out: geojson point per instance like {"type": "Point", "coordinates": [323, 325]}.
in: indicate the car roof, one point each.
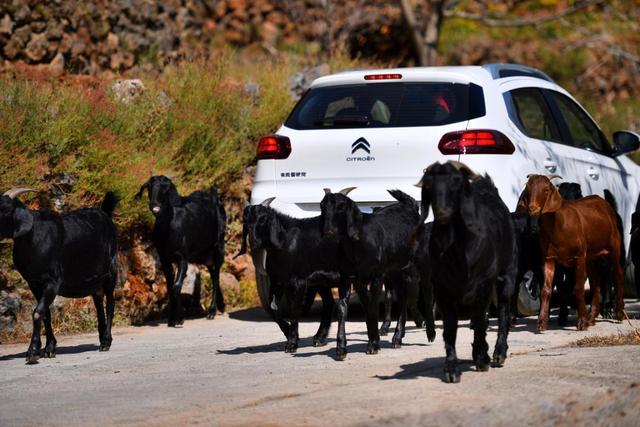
{"type": "Point", "coordinates": [480, 74]}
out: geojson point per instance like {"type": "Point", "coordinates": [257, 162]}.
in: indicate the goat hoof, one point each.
{"type": "Point", "coordinates": [431, 335]}
{"type": "Point", "coordinates": [620, 315]}
{"type": "Point", "coordinates": [341, 354]}
{"type": "Point", "coordinates": [396, 344]}
{"type": "Point", "coordinates": [542, 325]}
{"type": "Point", "coordinates": [373, 348]}
{"type": "Point", "coordinates": [290, 348]}
{"type": "Point", "coordinates": [32, 359]}
{"type": "Point", "coordinates": [384, 332]}
{"type": "Point", "coordinates": [498, 360]}
{"type": "Point", "coordinates": [211, 315]}
{"type": "Point", "coordinates": [49, 354]}
{"type": "Point", "coordinates": [451, 377]}
{"type": "Point", "coordinates": [319, 341]}
{"type": "Point", "coordinates": [583, 324]}
{"type": "Point", "coordinates": [104, 347]}
{"type": "Point", "coordinates": [419, 323]}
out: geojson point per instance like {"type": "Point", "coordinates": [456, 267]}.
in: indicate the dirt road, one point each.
{"type": "Point", "coordinates": [233, 371]}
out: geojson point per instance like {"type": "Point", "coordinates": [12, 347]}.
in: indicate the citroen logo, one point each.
{"type": "Point", "coordinates": [361, 144]}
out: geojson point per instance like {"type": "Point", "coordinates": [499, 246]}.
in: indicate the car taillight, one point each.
{"type": "Point", "coordinates": [475, 142]}
{"type": "Point", "coordinates": [383, 76]}
{"type": "Point", "coordinates": [273, 147]}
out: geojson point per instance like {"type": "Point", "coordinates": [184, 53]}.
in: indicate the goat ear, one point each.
{"type": "Point", "coordinates": [142, 188]}
{"type": "Point", "coordinates": [523, 202]}
{"type": "Point", "coordinates": [277, 234]}
{"type": "Point", "coordinates": [553, 202]}
{"type": "Point", "coordinates": [23, 222]}
{"type": "Point", "coordinates": [354, 222]}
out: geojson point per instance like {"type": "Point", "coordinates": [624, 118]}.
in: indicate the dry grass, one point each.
{"type": "Point", "coordinates": [629, 338]}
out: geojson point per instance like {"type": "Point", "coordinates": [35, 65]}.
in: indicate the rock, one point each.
{"type": "Point", "coordinates": [127, 90]}
{"type": "Point", "coordinates": [54, 30]}
{"type": "Point", "coordinates": [191, 281]}
{"type": "Point", "coordinates": [23, 34]}
{"type": "Point", "coordinates": [56, 66]}
{"type": "Point", "coordinates": [22, 12]}
{"type": "Point", "coordinates": [112, 41]}
{"type": "Point", "coordinates": [60, 184]}
{"type": "Point", "coordinates": [37, 47]}
{"type": "Point", "coordinates": [38, 26]}
{"type": "Point", "coordinates": [229, 284]}
{"type": "Point", "coordinates": [164, 100]}
{"type": "Point", "coordinates": [10, 306]}
{"type": "Point", "coordinates": [6, 24]}
{"type": "Point", "coordinates": [301, 81]}
{"type": "Point", "coordinates": [242, 267]}
{"type": "Point", "coordinates": [13, 47]}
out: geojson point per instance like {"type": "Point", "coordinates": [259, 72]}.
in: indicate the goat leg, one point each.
{"type": "Point", "coordinates": [480, 348]}
{"type": "Point", "coordinates": [105, 344]}
{"type": "Point", "coordinates": [320, 338]}
{"type": "Point", "coordinates": [50, 346]}
{"type": "Point", "coordinates": [428, 307]}
{"type": "Point", "coordinates": [396, 341]}
{"type": "Point", "coordinates": [343, 310]}
{"type": "Point", "coordinates": [217, 299]}
{"type": "Point", "coordinates": [45, 299]}
{"type": "Point", "coordinates": [595, 284]}
{"type": "Point", "coordinates": [581, 276]}
{"type": "Point", "coordinates": [505, 288]}
{"type": "Point", "coordinates": [545, 294]}
{"type": "Point", "coordinates": [388, 302]}
{"type": "Point", "coordinates": [450, 324]}
{"type": "Point", "coordinates": [295, 295]}
{"type": "Point", "coordinates": [98, 299]}
{"type": "Point", "coordinates": [178, 312]}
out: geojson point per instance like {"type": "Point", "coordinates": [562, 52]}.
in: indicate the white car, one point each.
{"type": "Point", "coordinates": [378, 129]}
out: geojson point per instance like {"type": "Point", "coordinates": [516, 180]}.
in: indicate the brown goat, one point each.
{"type": "Point", "coordinates": [574, 234]}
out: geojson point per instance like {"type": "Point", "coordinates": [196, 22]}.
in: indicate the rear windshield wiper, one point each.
{"type": "Point", "coordinates": [343, 121]}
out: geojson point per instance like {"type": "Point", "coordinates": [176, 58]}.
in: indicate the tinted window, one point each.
{"type": "Point", "coordinates": [390, 104]}
{"type": "Point", "coordinates": [584, 132]}
{"type": "Point", "coordinates": [533, 114]}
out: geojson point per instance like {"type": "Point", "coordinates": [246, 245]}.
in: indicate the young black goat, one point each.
{"type": "Point", "coordinates": [188, 229]}
{"type": "Point", "coordinates": [472, 250]}
{"type": "Point", "coordinates": [72, 255]}
{"type": "Point", "coordinates": [371, 246]}
{"type": "Point", "coordinates": [294, 255]}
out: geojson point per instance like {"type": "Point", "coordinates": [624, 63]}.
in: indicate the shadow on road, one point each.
{"type": "Point", "coordinates": [430, 368]}
{"type": "Point", "coordinates": [81, 348]}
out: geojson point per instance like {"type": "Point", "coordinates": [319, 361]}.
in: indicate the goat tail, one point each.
{"type": "Point", "coordinates": [109, 203]}
{"type": "Point", "coordinates": [403, 197]}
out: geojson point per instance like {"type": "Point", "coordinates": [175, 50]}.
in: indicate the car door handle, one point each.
{"type": "Point", "coordinates": [550, 165]}
{"type": "Point", "coordinates": [593, 173]}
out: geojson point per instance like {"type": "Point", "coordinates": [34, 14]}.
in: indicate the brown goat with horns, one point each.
{"type": "Point", "coordinates": [574, 234]}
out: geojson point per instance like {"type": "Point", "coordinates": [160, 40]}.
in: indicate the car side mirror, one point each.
{"type": "Point", "coordinates": [625, 141]}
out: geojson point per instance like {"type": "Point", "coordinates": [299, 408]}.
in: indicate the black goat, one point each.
{"type": "Point", "coordinates": [295, 257]}
{"type": "Point", "coordinates": [187, 229]}
{"type": "Point", "coordinates": [72, 255]}
{"type": "Point", "coordinates": [371, 246]}
{"type": "Point", "coordinates": [473, 251]}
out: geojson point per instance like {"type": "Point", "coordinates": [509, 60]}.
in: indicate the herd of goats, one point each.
{"type": "Point", "coordinates": [474, 252]}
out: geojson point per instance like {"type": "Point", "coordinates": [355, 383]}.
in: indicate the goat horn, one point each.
{"type": "Point", "coordinates": [554, 176]}
{"type": "Point", "coordinates": [171, 175]}
{"type": "Point", "coordinates": [16, 191]}
{"type": "Point", "coordinates": [327, 190]}
{"type": "Point", "coordinates": [464, 168]}
{"type": "Point", "coordinates": [267, 202]}
{"type": "Point", "coordinates": [346, 191]}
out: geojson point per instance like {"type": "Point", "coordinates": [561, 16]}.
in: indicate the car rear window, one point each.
{"type": "Point", "coordinates": [380, 105]}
